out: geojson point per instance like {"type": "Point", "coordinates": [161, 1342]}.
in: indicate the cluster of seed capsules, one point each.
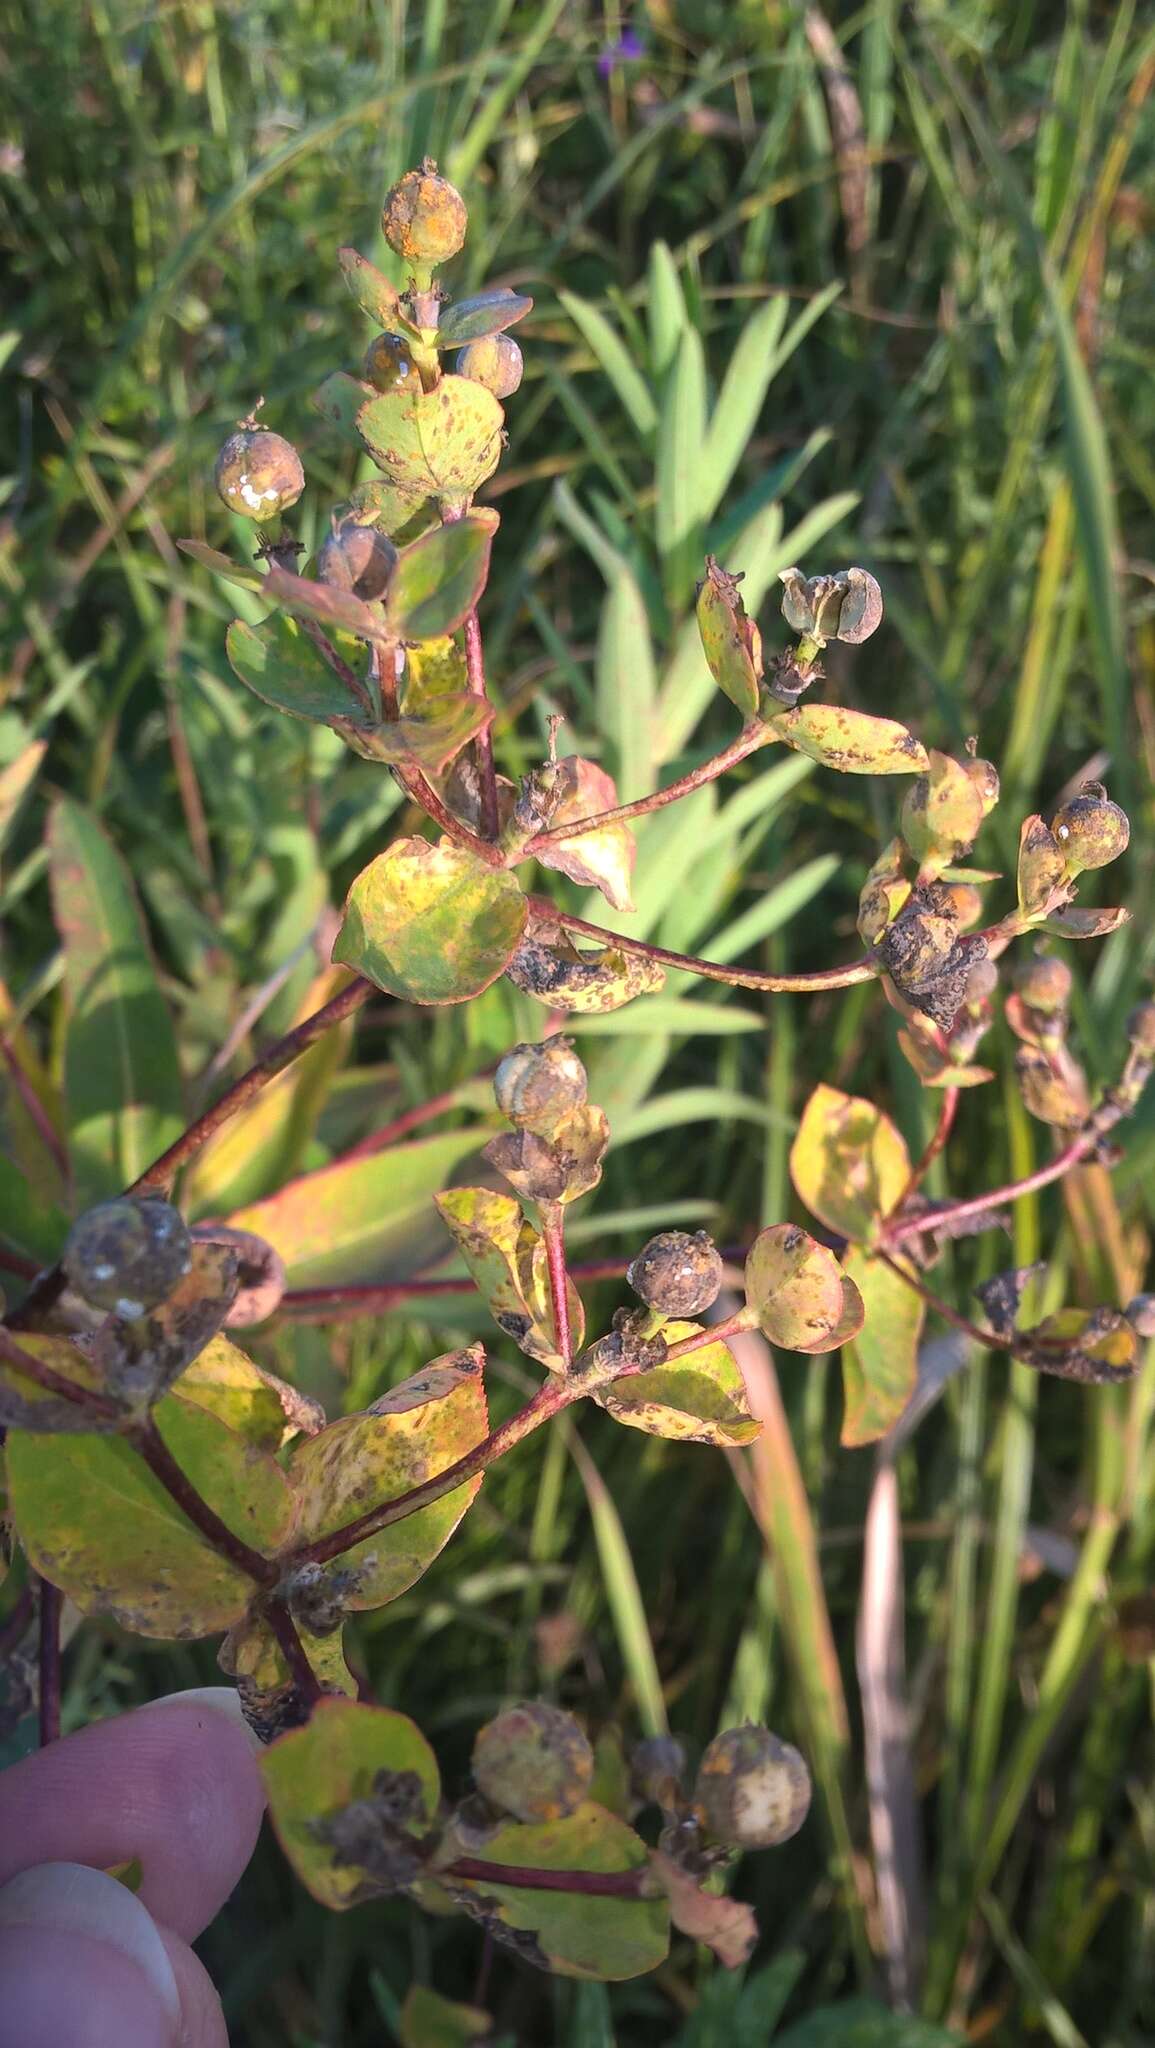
{"type": "Point", "coordinates": [259, 474]}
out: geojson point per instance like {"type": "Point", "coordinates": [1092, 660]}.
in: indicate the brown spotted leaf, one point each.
{"type": "Point", "coordinates": [1042, 876]}
{"type": "Point", "coordinates": [431, 924]}
{"type": "Point", "coordinates": [506, 1258]}
{"type": "Point", "coordinates": [314, 1775]}
{"type": "Point", "coordinates": [942, 813]}
{"type": "Point", "coordinates": [731, 641]}
{"type": "Point", "coordinates": [1070, 923]}
{"type": "Point", "coordinates": [443, 443]}
{"type": "Point", "coordinates": [851, 741]}
{"type": "Point", "coordinates": [411, 1434]}
{"type": "Point", "coordinates": [559, 1168]}
{"type": "Point", "coordinates": [583, 983]}
{"type": "Point", "coordinates": [699, 1399]}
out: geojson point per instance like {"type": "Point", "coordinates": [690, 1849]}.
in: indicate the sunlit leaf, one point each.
{"type": "Point", "coordinates": [489, 312]}
{"type": "Point", "coordinates": [411, 1434]}
{"type": "Point", "coordinates": [731, 642]}
{"type": "Point", "coordinates": [590, 982]}
{"type": "Point", "coordinates": [1042, 875]}
{"type": "Point", "coordinates": [1071, 923]}
{"type": "Point", "coordinates": [942, 813]}
{"type": "Point", "coordinates": [315, 1773]}
{"type": "Point", "coordinates": [603, 859]}
{"type": "Point", "coordinates": [506, 1258]}
{"type": "Point", "coordinates": [700, 1399]}
{"type": "Point", "coordinates": [848, 1162]}
{"type": "Point", "coordinates": [94, 1520]}
{"type": "Point", "coordinates": [442, 443]}
{"type": "Point", "coordinates": [431, 924]}
{"type": "Point", "coordinates": [802, 1298]}
{"type": "Point", "coordinates": [851, 741]}
{"type": "Point", "coordinates": [439, 578]}
{"type": "Point", "coordinates": [375, 295]}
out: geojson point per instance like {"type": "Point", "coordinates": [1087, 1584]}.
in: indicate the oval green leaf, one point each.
{"type": "Point", "coordinates": [375, 295]}
{"type": "Point", "coordinates": [280, 665]}
{"type": "Point", "coordinates": [848, 1162]}
{"type": "Point", "coordinates": [439, 578]}
{"type": "Point", "coordinates": [700, 1399]}
{"type": "Point", "coordinates": [850, 741]}
{"type": "Point", "coordinates": [431, 924]}
{"type": "Point", "coordinates": [313, 1773]}
{"type": "Point", "coordinates": [441, 443]}
{"type": "Point", "coordinates": [488, 312]}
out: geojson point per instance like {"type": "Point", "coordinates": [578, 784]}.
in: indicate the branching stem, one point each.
{"type": "Point", "coordinates": [53, 1382]}
{"type": "Point", "coordinates": [734, 977]}
{"type": "Point", "coordinates": [594, 1884]}
{"type": "Point", "coordinates": [749, 740]}
{"type": "Point", "coordinates": [149, 1444]}
{"type": "Point", "coordinates": [553, 1237]}
{"type": "Point", "coordinates": [292, 1650]}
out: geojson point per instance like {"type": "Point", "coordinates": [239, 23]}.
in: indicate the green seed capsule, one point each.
{"type": "Point", "coordinates": [495, 361]}
{"type": "Point", "coordinates": [425, 218]}
{"type": "Point", "coordinates": [358, 559]}
{"type": "Point", "coordinates": [534, 1762]}
{"type": "Point", "coordinates": [258, 474]}
{"type": "Point", "coordinates": [389, 363]}
{"type": "Point", "coordinates": [128, 1255]}
{"type": "Point", "coordinates": [753, 1790]}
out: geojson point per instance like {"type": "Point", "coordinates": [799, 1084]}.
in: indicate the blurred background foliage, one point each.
{"type": "Point", "coordinates": [903, 257]}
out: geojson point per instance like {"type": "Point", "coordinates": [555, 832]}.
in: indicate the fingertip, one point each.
{"type": "Point", "coordinates": [82, 1962]}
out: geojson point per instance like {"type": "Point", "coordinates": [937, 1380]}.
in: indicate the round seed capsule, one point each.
{"type": "Point", "coordinates": [358, 559]}
{"type": "Point", "coordinates": [753, 1790]}
{"type": "Point", "coordinates": [1091, 830]}
{"type": "Point", "coordinates": [258, 474]}
{"type": "Point", "coordinates": [128, 1255]}
{"type": "Point", "coordinates": [534, 1762]}
{"type": "Point", "coordinates": [389, 364]}
{"type": "Point", "coordinates": [425, 218]}
{"type": "Point", "coordinates": [1045, 984]}
{"type": "Point", "coordinates": [537, 1085]}
{"type": "Point", "coordinates": [495, 361]}
{"type": "Point", "coordinates": [679, 1272]}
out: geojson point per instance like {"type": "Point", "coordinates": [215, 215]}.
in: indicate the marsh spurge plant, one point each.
{"type": "Point", "coordinates": [155, 1473]}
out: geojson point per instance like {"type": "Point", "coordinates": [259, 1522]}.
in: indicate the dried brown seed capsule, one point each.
{"type": "Point", "coordinates": [128, 1255]}
{"type": "Point", "coordinates": [1045, 984]}
{"type": "Point", "coordinates": [679, 1272]}
{"type": "Point", "coordinates": [534, 1762]}
{"type": "Point", "coordinates": [425, 218]}
{"type": "Point", "coordinates": [495, 361]}
{"type": "Point", "coordinates": [1140, 1313]}
{"type": "Point", "coordinates": [389, 363]}
{"type": "Point", "coordinates": [258, 474]}
{"type": "Point", "coordinates": [753, 1789]}
{"type": "Point", "coordinates": [358, 559]}
{"type": "Point", "coordinates": [537, 1085]}
{"type": "Point", "coordinates": [1141, 1029]}
{"type": "Point", "coordinates": [845, 606]}
{"type": "Point", "coordinates": [1090, 830]}
{"type": "Point", "coordinates": [985, 777]}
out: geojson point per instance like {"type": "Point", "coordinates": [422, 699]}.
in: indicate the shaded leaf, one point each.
{"type": "Point", "coordinates": [1070, 923]}
{"type": "Point", "coordinates": [883, 893]}
{"type": "Point", "coordinates": [859, 2023]}
{"type": "Point", "coordinates": [1042, 871]}
{"type": "Point", "coordinates": [848, 1162]}
{"type": "Point", "coordinates": [443, 443]}
{"type": "Point", "coordinates": [340, 399]}
{"type": "Point", "coordinates": [439, 578]}
{"type": "Point", "coordinates": [251, 1651]}
{"type": "Point", "coordinates": [281, 666]}
{"type": "Point", "coordinates": [313, 1773]}
{"type": "Point", "coordinates": [399, 509]}
{"type": "Point", "coordinates": [880, 1368]}
{"type": "Point", "coordinates": [568, 1932]}
{"type": "Point", "coordinates": [505, 1256]}
{"type": "Point", "coordinates": [431, 924]}
{"type": "Point", "coordinates": [142, 1359]}
{"type": "Point", "coordinates": [801, 1296]}
{"type": "Point", "coordinates": [731, 642]}
{"type": "Point", "coordinates": [97, 1524]}
{"type": "Point", "coordinates": [24, 1404]}
{"type": "Point", "coordinates": [336, 610]}
{"type": "Point", "coordinates": [411, 1434]}
{"type": "Point", "coordinates": [489, 312]}
{"type": "Point", "coordinates": [429, 742]}
{"type": "Point", "coordinates": [600, 860]}
{"type": "Point", "coordinates": [700, 1399]}
{"type": "Point", "coordinates": [121, 1073]}
{"type": "Point", "coordinates": [16, 779]}
{"type": "Point", "coordinates": [367, 1219]}
{"type": "Point", "coordinates": [850, 741]}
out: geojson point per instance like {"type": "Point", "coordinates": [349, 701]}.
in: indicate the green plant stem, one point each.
{"type": "Point", "coordinates": [292, 1650]}
{"type": "Point", "coordinates": [749, 740]}
{"type": "Point", "coordinates": [557, 1394]}
{"type": "Point", "coordinates": [593, 1884]}
{"type": "Point", "coordinates": [734, 977]}
{"type": "Point", "coordinates": [48, 1662]}
{"type": "Point", "coordinates": [553, 1237]}
{"type": "Point", "coordinates": [148, 1443]}
{"type": "Point", "coordinates": [53, 1382]}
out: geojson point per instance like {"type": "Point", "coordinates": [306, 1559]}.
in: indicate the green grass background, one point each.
{"type": "Point", "coordinates": [971, 415]}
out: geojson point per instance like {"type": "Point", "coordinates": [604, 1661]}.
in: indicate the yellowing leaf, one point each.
{"type": "Point", "coordinates": [731, 642]}
{"type": "Point", "coordinates": [430, 2021]}
{"type": "Point", "coordinates": [259, 1407]}
{"type": "Point", "coordinates": [725, 1925]}
{"type": "Point", "coordinates": [430, 742]}
{"type": "Point", "coordinates": [443, 442]}
{"type": "Point", "coordinates": [251, 1651]}
{"type": "Point", "coordinates": [94, 1520]}
{"type": "Point", "coordinates": [506, 1258]}
{"type": "Point", "coordinates": [803, 1300]}
{"type": "Point", "coordinates": [586, 983]}
{"type": "Point", "coordinates": [848, 1162]}
{"type": "Point", "coordinates": [942, 813]}
{"type": "Point", "coordinates": [314, 1773]}
{"type": "Point", "coordinates": [880, 1368]}
{"type": "Point", "coordinates": [431, 924]}
{"type": "Point", "coordinates": [411, 1434]}
{"type": "Point", "coordinates": [850, 741]}
{"type": "Point", "coordinates": [571, 1933]}
{"type": "Point", "coordinates": [699, 1399]}
{"type": "Point", "coordinates": [603, 859]}
{"type": "Point", "coordinates": [1042, 875]}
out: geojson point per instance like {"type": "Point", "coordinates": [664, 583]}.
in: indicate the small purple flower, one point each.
{"type": "Point", "coordinates": [627, 50]}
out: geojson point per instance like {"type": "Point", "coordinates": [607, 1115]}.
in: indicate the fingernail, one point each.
{"type": "Point", "coordinates": [219, 1699]}
{"type": "Point", "coordinates": [81, 1951]}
